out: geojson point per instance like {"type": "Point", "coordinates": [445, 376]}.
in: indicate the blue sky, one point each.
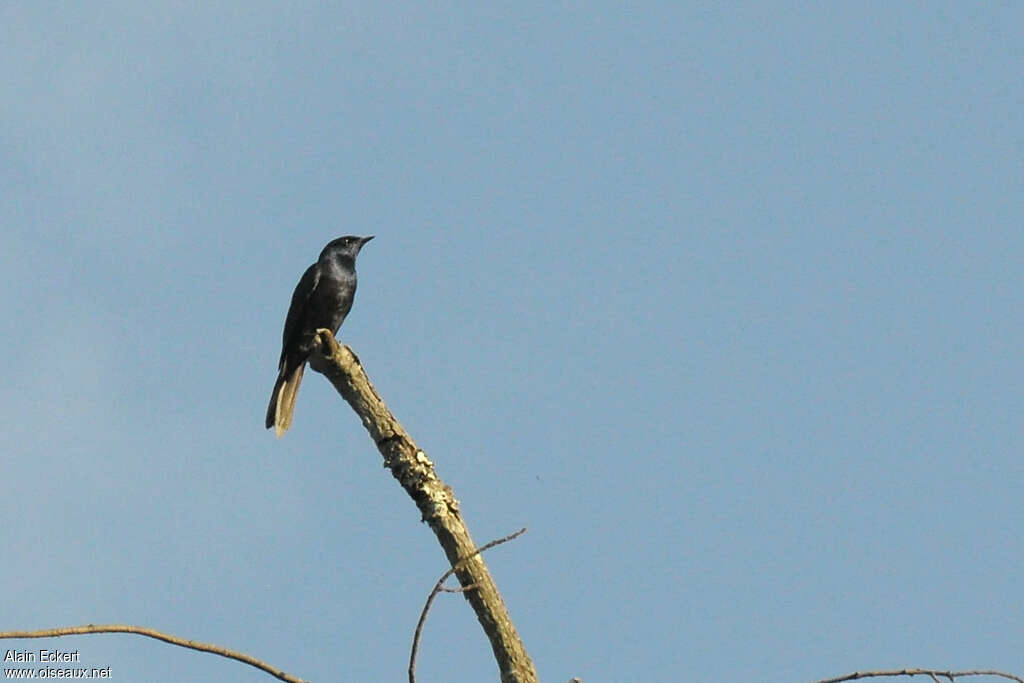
{"type": "Point", "coordinates": [722, 303]}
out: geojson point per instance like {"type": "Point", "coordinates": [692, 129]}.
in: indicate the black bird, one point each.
{"type": "Point", "coordinates": [322, 298]}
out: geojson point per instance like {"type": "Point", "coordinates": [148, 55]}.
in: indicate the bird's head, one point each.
{"type": "Point", "coordinates": [347, 246]}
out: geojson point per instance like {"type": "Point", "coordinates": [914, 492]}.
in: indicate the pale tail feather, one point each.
{"type": "Point", "coordinates": [282, 401]}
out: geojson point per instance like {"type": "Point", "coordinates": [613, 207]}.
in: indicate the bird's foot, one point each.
{"type": "Point", "coordinates": [326, 342]}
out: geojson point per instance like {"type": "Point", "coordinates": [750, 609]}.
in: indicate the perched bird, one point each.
{"type": "Point", "coordinates": [322, 298]}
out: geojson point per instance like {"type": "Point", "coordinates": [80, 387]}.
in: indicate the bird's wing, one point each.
{"type": "Point", "coordinates": [303, 290]}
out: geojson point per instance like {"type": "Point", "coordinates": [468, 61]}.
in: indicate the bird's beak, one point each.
{"type": "Point", "coordinates": [365, 240]}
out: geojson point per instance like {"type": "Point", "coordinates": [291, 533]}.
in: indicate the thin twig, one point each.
{"type": "Point", "coordinates": [458, 589]}
{"type": "Point", "coordinates": [158, 635]}
{"type": "Point", "coordinates": [934, 673]}
{"type": "Point", "coordinates": [439, 587]}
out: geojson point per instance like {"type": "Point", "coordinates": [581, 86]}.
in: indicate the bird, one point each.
{"type": "Point", "coordinates": [322, 299]}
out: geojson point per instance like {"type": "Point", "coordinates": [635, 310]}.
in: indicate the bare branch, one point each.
{"type": "Point", "coordinates": [436, 501]}
{"type": "Point", "coordinates": [933, 673]}
{"type": "Point", "coordinates": [439, 588]}
{"type": "Point", "coordinates": [158, 635]}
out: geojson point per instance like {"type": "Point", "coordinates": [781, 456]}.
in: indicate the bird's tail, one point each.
{"type": "Point", "coordinates": [282, 401]}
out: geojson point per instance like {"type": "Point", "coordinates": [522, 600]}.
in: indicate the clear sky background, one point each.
{"type": "Point", "coordinates": [723, 304]}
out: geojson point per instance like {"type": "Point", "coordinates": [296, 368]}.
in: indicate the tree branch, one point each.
{"type": "Point", "coordinates": [935, 674]}
{"type": "Point", "coordinates": [435, 500]}
{"type": "Point", "coordinates": [158, 635]}
{"type": "Point", "coordinates": [439, 587]}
